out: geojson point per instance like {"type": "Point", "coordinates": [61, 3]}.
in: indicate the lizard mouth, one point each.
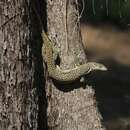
{"type": "Point", "coordinates": [98, 66]}
{"type": "Point", "coordinates": [104, 68]}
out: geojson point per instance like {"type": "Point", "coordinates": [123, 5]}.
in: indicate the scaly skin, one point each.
{"type": "Point", "coordinates": [65, 75]}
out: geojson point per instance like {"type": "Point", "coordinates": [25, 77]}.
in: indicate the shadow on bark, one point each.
{"type": "Point", "coordinates": [39, 79]}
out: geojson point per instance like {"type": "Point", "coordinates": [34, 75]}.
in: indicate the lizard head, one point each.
{"type": "Point", "coordinates": [97, 66]}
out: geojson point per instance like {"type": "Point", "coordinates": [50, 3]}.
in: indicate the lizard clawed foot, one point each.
{"type": "Point", "coordinates": [82, 80]}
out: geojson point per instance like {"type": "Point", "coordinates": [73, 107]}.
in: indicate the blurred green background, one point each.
{"type": "Point", "coordinates": [98, 11]}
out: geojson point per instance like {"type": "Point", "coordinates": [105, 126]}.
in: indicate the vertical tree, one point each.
{"type": "Point", "coordinates": [70, 107]}
{"type": "Point", "coordinates": [18, 72]}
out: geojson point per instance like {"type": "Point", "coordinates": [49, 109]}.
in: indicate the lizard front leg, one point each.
{"type": "Point", "coordinates": [55, 53]}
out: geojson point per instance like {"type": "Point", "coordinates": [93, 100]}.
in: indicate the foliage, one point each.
{"type": "Point", "coordinates": [116, 11]}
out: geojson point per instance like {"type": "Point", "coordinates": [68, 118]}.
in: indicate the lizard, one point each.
{"type": "Point", "coordinates": [55, 72]}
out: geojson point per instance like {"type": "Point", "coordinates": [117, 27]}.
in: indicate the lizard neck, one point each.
{"type": "Point", "coordinates": [49, 53]}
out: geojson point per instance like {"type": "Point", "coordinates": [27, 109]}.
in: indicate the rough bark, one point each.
{"type": "Point", "coordinates": [70, 107]}
{"type": "Point", "coordinates": [18, 72]}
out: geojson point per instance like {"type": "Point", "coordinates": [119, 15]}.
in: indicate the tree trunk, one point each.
{"type": "Point", "coordinates": [18, 62]}
{"type": "Point", "coordinates": [70, 107]}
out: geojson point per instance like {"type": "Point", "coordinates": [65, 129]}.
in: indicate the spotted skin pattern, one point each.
{"type": "Point", "coordinates": [57, 73]}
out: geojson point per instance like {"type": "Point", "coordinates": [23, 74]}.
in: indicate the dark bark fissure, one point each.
{"type": "Point", "coordinates": [39, 8]}
{"type": "Point", "coordinates": [40, 12]}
